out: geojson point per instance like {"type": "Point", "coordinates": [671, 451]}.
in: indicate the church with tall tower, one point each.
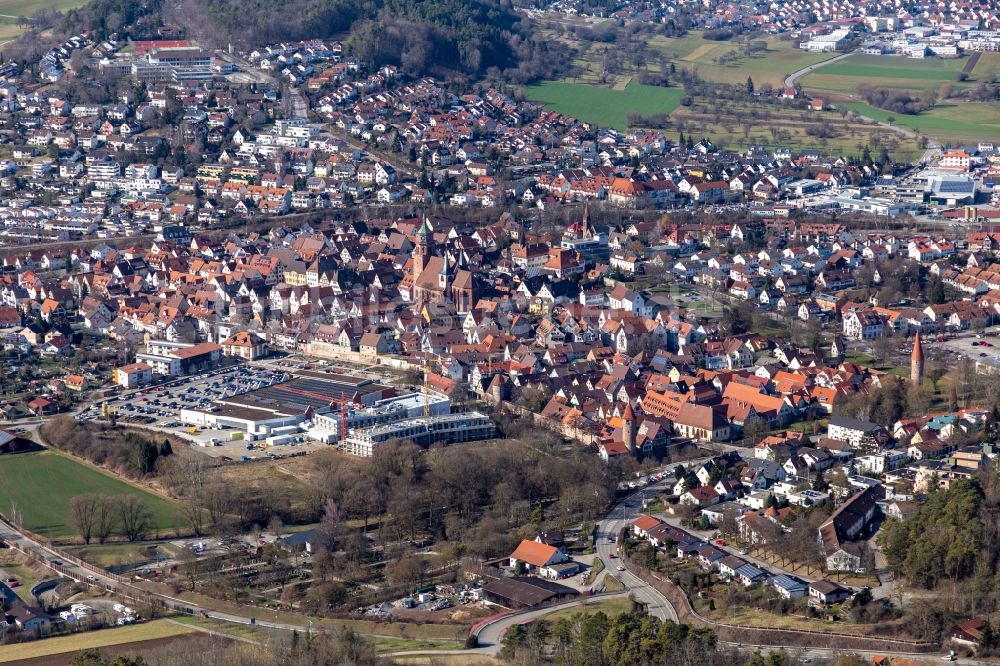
{"type": "Point", "coordinates": [436, 279]}
{"type": "Point", "coordinates": [422, 249]}
{"type": "Point", "coordinates": [917, 362]}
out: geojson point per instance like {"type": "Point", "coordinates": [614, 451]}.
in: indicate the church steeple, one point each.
{"type": "Point", "coordinates": [422, 250]}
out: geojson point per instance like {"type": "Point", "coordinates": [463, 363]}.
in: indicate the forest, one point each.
{"type": "Point", "coordinates": [952, 537]}
{"type": "Point", "coordinates": [448, 38]}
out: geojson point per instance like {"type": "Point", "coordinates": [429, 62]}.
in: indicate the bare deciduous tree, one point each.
{"type": "Point", "coordinates": [134, 517]}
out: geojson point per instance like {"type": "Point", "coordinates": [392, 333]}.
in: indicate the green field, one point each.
{"type": "Point", "coordinates": [692, 52]}
{"type": "Point", "coordinates": [769, 67]}
{"type": "Point", "coordinates": [961, 122]}
{"type": "Point", "coordinates": [41, 485]}
{"type": "Point", "coordinates": [93, 639]}
{"type": "Point", "coordinates": [610, 607]}
{"type": "Point", "coordinates": [10, 10]}
{"type": "Point", "coordinates": [603, 106]}
{"type": "Point", "coordinates": [26, 8]}
{"type": "Point", "coordinates": [846, 75]}
{"type": "Point", "coordinates": [861, 65]}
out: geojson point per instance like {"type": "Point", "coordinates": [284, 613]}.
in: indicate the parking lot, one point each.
{"type": "Point", "coordinates": [982, 348]}
{"type": "Point", "coordinates": [161, 405]}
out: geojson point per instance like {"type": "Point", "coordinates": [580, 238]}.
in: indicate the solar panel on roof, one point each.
{"type": "Point", "coordinates": [955, 186]}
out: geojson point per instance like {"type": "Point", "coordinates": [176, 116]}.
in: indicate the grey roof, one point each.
{"type": "Point", "coordinates": [786, 582]}
{"type": "Point", "coordinates": [750, 571]}
{"type": "Point", "coordinates": [854, 424]}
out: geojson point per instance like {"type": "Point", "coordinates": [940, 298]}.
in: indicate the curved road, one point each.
{"type": "Point", "coordinates": [795, 76]}
{"type": "Point", "coordinates": [933, 148]}
{"type": "Point", "coordinates": [621, 517]}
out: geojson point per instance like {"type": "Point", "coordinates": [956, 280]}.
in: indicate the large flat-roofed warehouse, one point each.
{"type": "Point", "coordinates": [288, 403]}
{"type": "Point", "coordinates": [525, 592]}
{"type": "Point", "coordinates": [319, 391]}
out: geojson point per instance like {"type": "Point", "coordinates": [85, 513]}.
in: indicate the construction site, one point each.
{"type": "Point", "coordinates": [352, 413]}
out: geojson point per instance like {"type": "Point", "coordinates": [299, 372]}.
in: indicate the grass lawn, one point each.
{"type": "Point", "coordinates": [595, 569]}
{"type": "Point", "coordinates": [603, 106]}
{"type": "Point", "coordinates": [42, 484]}
{"type": "Point", "coordinates": [967, 121]}
{"type": "Point", "coordinates": [385, 644]}
{"type": "Point", "coordinates": [736, 125]}
{"type": "Point", "coordinates": [457, 659]}
{"type": "Point", "coordinates": [862, 66]}
{"type": "Point", "coordinates": [781, 58]}
{"type": "Point", "coordinates": [768, 67]}
{"type": "Point", "coordinates": [610, 607]}
{"type": "Point", "coordinates": [260, 634]}
{"type": "Point", "coordinates": [92, 639]}
{"type": "Point", "coordinates": [245, 631]}
{"type": "Point", "coordinates": [26, 8]}
{"type": "Point", "coordinates": [28, 579]}
{"type": "Point", "coordinates": [10, 10]}
{"type": "Point", "coordinates": [755, 617]}
{"type": "Point", "coordinates": [114, 554]}
{"type": "Point", "coordinates": [988, 65]}
{"type": "Point", "coordinates": [612, 584]}
{"type": "Point", "coordinates": [846, 75]}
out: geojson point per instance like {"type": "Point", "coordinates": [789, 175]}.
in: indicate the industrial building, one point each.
{"type": "Point", "coordinates": [295, 402]}
{"type": "Point", "coordinates": [358, 414]}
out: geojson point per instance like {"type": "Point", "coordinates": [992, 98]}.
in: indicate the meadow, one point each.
{"type": "Point", "coordinates": [604, 107]}
{"type": "Point", "coordinates": [845, 76]}
{"type": "Point", "coordinates": [770, 67]}
{"type": "Point", "coordinates": [136, 633]}
{"type": "Point", "coordinates": [40, 485]}
{"type": "Point", "coordinates": [966, 122]}
{"type": "Point", "coordinates": [11, 10]}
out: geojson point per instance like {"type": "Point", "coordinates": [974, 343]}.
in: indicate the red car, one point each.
{"type": "Point", "coordinates": [612, 555]}
{"type": "Point", "coordinates": [720, 542]}
{"type": "Point", "coordinates": [13, 582]}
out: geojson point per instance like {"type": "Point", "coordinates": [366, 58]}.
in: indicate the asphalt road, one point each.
{"type": "Point", "coordinates": [795, 76]}
{"type": "Point", "coordinates": [619, 517]}
{"type": "Point", "coordinates": [933, 148]}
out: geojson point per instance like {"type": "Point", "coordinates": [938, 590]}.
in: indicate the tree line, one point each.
{"type": "Point", "coordinates": [96, 516]}
{"type": "Point", "coordinates": [136, 457]}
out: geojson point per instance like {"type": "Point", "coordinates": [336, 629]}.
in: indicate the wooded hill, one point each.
{"type": "Point", "coordinates": [442, 37]}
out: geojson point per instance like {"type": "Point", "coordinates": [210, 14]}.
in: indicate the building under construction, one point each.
{"type": "Point", "coordinates": [424, 431]}
{"type": "Point", "coordinates": [296, 402]}
{"type": "Point", "coordinates": [356, 414]}
{"type": "Point", "coordinates": [334, 426]}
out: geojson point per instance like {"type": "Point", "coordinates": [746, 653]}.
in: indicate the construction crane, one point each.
{"type": "Point", "coordinates": [427, 395]}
